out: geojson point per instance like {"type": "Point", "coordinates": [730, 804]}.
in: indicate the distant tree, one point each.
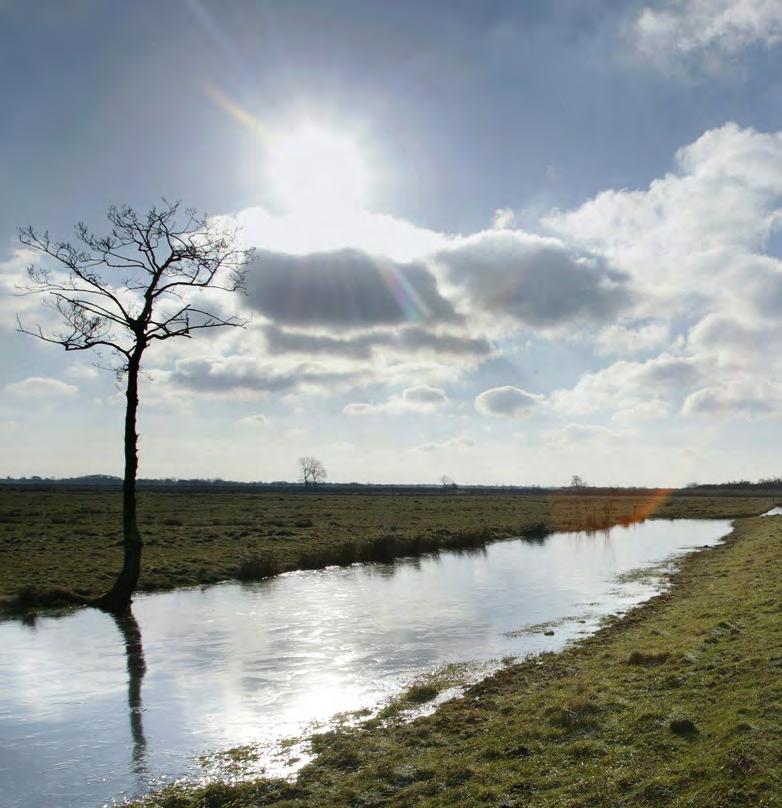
{"type": "Point", "coordinates": [312, 470]}
{"type": "Point", "coordinates": [121, 292]}
{"type": "Point", "coordinates": [577, 482]}
{"type": "Point", "coordinates": [447, 482]}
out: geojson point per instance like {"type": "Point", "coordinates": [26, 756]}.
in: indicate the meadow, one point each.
{"type": "Point", "coordinates": [55, 539]}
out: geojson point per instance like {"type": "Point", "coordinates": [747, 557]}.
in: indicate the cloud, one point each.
{"type": "Point", "coordinates": [460, 443]}
{"type": "Point", "coordinates": [508, 401]}
{"type": "Point", "coordinates": [673, 29]}
{"type": "Point", "coordinates": [721, 199]}
{"type": "Point", "coordinates": [532, 281]}
{"type": "Point", "coordinates": [632, 412]}
{"type": "Point", "coordinates": [626, 384]}
{"type": "Point", "coordinates": [747, 400]}
{"type": "Point", "coordinates": [344, 289]}
{"type": "Point", "coordinates": [419, 399]}
{"type": "Point", "coordinates": [83, 372]}
{"type": "Point", "coordinates": [574, 434]}
{"type": "Point", "coordinates": [735, 345]}
{"type": "Point", "coordinates": [622, 339]}
{"type": "Point", "coordinates": [693, 242]}
{"type": "Point", "coordinates": [13, 278]}
{"type": "Point", "coordinates": [246, 374]}
{"type": "Point", "coordinates": [402, 340]}
{"type": "Point", "coordinates": [372, 233]}
{"type": "Point", "coordinates": [259, 419]}
{"type": "Point", "coordinates": [502, 219]}
{"type": "Point", "coordinates": [41, 387]}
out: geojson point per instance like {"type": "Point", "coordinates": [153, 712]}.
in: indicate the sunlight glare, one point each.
{"type": "Point", "coordinates": [314, 169]}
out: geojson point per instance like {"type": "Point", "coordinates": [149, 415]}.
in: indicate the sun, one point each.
{"type": "Point", "coordinates": [314, 169]}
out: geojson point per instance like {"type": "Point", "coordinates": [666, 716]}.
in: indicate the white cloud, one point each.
{"type": "Point", "coordinates": [574, 434]}
{"type": "Point", "coordinates": [634, 412]}
{"type": "Point", "coordinates": [373, 233]}
{"type": "Point", "coordinates": [625, 385]}
{"type": "Point", "coordinates": [623, 339]}
{"type": "Point", "coordinates": [259, 419]}
{"type": "Point", "coordinates": [83, 372]}
{"type": "Point", "coordinates": [13, 277]}
{"type": "Point", "coordinates": [672, 29]}
{"type": "Point", "coordinates": [507, 401]}
{"type": "Point", "coordinates": [693, 243]}
{"type": "Point", "coordinates": [459, 442]}
{"type": "Point", "coordinates": [502, 219]}
{"type": "Point", "coordinates": [743, 399]}
{"type": "Point", "coordinates": [41, 387]}
{"type": "Point", "coordinates": [419, 399]}
{"type": "Point", "coordinates": [721, 200]}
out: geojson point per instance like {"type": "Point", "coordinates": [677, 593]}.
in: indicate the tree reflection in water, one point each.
{"type": "Point", "coordinates": [134, 653]}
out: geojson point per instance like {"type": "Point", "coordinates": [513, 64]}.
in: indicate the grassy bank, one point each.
{"type": "Point", "coordinates": [53, 540]}
{"type": "Point", "coordinates": [677, 704]}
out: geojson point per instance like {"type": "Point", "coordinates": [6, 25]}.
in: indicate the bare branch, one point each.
{"type": "Point", "coordinates": [152, 256]}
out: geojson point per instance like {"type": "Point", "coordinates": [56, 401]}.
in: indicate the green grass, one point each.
{"type": "Point", "coordinates": [677, 704]}
{"type": "Point", "coordinates": [56, 540]}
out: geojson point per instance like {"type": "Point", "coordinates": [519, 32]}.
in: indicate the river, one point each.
{"type": "Point", "coordinates": [94, 710]}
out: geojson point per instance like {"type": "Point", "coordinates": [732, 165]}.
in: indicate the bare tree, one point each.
{"type": "Point", "coordinates": [447, 482]}
{"type": "Point", "coordinates": [312, 471]}
{"type": "Point", "coordinates": [122, 291]}
{"type": "Point", "coordinates": [577, 482]}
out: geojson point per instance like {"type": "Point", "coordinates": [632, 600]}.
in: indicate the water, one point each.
{"type": "Point", "coordinates": [93, 710]}
{"type": "Point", "coordinates": [776, 511]}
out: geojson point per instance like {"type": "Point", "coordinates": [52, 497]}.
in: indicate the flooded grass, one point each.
{"type": "Point", "coordinates": [56, 544]}
{"type": "Point", "coordinates": [678, 703]}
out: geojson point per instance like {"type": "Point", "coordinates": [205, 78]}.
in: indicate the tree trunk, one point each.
{"type": "Point", "coordinates": [118, 598]}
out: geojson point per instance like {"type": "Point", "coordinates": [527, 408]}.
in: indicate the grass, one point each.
{"type": "Point", "coordinates": [53, 542]}
{"type": "Point", "coordinates": [679, 703]}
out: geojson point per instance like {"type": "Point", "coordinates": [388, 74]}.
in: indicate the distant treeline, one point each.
{"type": "Point", "coordinates": [108, 481]}
{"type": "Point", "coordinates": [742, 485]}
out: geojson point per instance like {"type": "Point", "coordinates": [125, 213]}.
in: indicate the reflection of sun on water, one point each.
{"type": "Point", "coordinates": [318, 170]}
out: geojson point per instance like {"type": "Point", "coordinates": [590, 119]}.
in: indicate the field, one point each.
{"type": "Point", "coordinates": [55, 539]}
{"type": "Point", "coordinates": [677, 704]}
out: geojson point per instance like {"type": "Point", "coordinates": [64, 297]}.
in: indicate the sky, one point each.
{"type": "Point", "coordinates": [507, 242]}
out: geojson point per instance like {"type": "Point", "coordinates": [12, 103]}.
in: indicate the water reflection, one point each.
{"type": "Point", "coordinates": [237, 664]}
{"type": "Point", "coordinates": [134, 653]}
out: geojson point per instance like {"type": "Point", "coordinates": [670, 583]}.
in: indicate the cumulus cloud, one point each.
{"type": "Point", "coordinates": [693, 242]}
{"type": "Point", "coordinates": [722, 196]}
{"type": "Point", "coordinates": [735, 345]}
{"type": "Point", "coordinates": [533, 281]}
{"type": "Point", "coordinates": [625, 384]}
{"type": "Point", "coordinates": [507, 401]}
{"type": "Point", "coordinates": [745, 399]}
{"type": "Point", "coordinates": [41, 387]}
{"type": "Point", "coordinates": [672, 29]}
{"type": "Point", "coordinates": [343, 289]}
{"type": "Point", "coordinates": [418, 399]}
